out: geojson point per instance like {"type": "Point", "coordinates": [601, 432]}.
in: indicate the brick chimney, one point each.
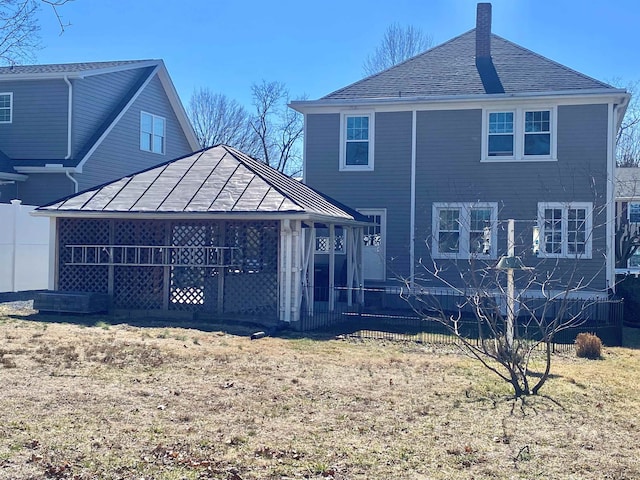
{"type": "Point", "coordinates": [483, 30]}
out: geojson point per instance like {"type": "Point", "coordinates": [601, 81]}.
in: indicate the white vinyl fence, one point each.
{"type": "Point", "coordinates": [24, 249]}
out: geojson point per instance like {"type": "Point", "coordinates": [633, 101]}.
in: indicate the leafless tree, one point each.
{"type": "Point", "coordinates": [398, 44]}
{"type": "Point", "coordinates": [278, 128]}
{"type": "Point", "coordinates": [19, 28]}
{"type": "Point", "coordinates": [218, 119]}
{"type": "Point", "coordinates": [628, 138]}
{"type": "Point", "coordinates": [506, 329]}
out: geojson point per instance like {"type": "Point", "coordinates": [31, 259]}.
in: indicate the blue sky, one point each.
{"type": "Point", "coordinates": [318, 47]}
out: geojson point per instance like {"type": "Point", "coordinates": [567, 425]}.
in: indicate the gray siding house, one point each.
{"type": "Point", "coordinates": [444, 148]}
{"type": "Point", "coordinates": [67, 127]}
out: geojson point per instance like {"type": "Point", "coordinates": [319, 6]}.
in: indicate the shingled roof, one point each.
{"type": "Point", "coordinates": [71, 68]}
{"type": "Point", "coordinates": [217, 181]}
{"type": "Point", "coordinates": [450, 69]}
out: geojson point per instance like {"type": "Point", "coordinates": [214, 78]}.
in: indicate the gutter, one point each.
{"type": "Point", "coordinates": [304, 105]}
{"type": "Point", "coordinates": [75, 182]}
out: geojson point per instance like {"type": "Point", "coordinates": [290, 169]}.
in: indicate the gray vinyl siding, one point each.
{"type": "Point", "coordinates": [42, 188]}
{"type": "Point", "coordinates": [119, 154]}
{"type": "Point", "coordinates": [449, 170]}
{"type": "Point", "coordinates": [39, 124]}
{"type": "Point", "coordinates": [388, 186]}
{"type": "Point", "coordinates": [96, 99]}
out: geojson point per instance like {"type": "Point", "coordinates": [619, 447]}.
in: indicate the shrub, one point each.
{"type": "Point", "coordinates": [588, 345]}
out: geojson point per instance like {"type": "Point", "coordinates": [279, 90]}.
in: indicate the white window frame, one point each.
{"type": "Point", "coordinates": [519, 134]}
{"type": "Point", "coordinates": [153, 133]}
{"type": "Point", "coordinates": [10, 94]}
{"type": "Point", "coordinates": [564, 249]}
{"type": "Point", "coordinates": [343, 142]}
{"type": "Point", "coordinates": [464, 220]}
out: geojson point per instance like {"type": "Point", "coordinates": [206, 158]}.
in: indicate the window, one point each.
{"type": "Point", "coordinates": [464, 230]}
{"type": "Point", "coordinates": [357, 142]}
{"type": "Point", "coordinates": [501, 134]}
{"type": "Point", "coordinates": [152, 133]}
{"type": "Point", "coordinates": [633, 210]}
{"type": "Point", "coordinates": [519, 134]}
{"type": "Point", "coordinates": [6, 107]}
{"type": "Point", "coordinates": [565, 230]}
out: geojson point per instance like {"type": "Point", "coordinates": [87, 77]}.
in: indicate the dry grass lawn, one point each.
{"type": "Point", "coordinates": [122, 402]}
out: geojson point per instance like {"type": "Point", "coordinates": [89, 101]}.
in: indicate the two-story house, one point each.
{"type": "Point", "coordinates": [443, 149]}
{"type": "Point", "coordinates": [68, 127]}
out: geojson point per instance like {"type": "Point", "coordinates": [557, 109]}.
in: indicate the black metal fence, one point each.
{"type": "Point", "coordinates": [385, 315]}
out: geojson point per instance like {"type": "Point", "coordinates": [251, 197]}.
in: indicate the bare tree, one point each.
{"type": "Point", "coordinates": [502, 327]}
{"type": "Point", "coordinates": [278, 128]}
{"type": "Point", "coordinates": [19, 28]}
{"type": "Point", "coordinates": [398, 44]}
{"type": "Point", "coordinates": [218, 119]}
{"type": "Point", "coordinates": [628, 138]}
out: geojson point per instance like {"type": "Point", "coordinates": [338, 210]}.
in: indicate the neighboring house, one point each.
{"type": "Point", "coordinates": [628, 220]}
{"type": "Point", "coordinates": [442, 149]}
{"type": "Point", "coordinates": [68, 127]}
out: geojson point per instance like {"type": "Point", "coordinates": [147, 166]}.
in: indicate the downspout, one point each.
{"type": "Point", "coordinates": [69, 117]}
{"type": "Point", "coordinates": [75, 182]}
{"type": "Point", "coordinates": [412, 213]}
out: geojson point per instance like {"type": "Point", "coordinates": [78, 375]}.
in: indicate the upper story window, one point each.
{"type": "Point", "coordinates": [465, 230]}
{"type": "Point", "coordinates": [6, 107]}
{"type": "Point", "coordinates": [520, 134]}
{"type": "Point", "coordinates": [356, 145]}
{"type": "Point", "coordinates": [565, 229]}
{"type": "Point", "coordinates": [152, 133]}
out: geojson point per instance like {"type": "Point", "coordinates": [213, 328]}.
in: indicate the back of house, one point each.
{"type": "Point", "coordinates": [444, 148]}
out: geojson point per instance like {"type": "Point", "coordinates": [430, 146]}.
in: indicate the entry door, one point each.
{"type": "Point", "coordinates": [374, 242]}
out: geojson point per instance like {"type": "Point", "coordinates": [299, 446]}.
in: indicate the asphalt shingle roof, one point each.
{"type": "Point", "coordinates": [450, 69]}
{"type": "Point", "coordinates": [63, 68]}
{"type": "Point", "coordinates": [220, 179]}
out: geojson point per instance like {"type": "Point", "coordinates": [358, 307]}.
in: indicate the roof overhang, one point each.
{"type": "Point", "coordinates": [50, 168]}
{"type": "Point", "coordinates": [13, 176]}
{"type": "Point", "coordinates": [617, 96]}
{"type": "Point", "coordinates": [139, 215]}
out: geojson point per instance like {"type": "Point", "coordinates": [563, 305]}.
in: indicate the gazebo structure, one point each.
{"type": "Point", "coordinates": [215, 231]}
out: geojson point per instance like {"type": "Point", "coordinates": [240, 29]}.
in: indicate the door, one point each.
{"type": "Point", "coordinates": [374, 242]}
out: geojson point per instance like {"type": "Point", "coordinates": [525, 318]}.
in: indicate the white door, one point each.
{"type": "Point", "coordinates": [374, 241]}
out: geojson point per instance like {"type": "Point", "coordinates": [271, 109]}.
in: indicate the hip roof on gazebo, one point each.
{"type": "Point", "coordinates": [218, 182]}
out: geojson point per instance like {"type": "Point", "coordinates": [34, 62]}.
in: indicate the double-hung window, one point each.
{"type": "Point", "coordinates": [356, 149]}
{"type": "Point", "coordinates": [152, 133]}
{"type": "Point", "coordinates": [565, 229]}
{"type": "Point", "coordinates": [464, 230]}
{"type": "Point", "coordinates": [6, 107]}
{"type": "Point", "coordinates": [519, 134]}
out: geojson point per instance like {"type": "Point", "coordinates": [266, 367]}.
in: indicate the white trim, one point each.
{"type": "Point", "coordinates": [565, 206]}
{"type": "Point", "coordinates": [343, 142]}
{"type": "Point", "coordinates": [153, 133]}
{"type": "Point", "coordinates": [69, 115]}
{"type": "Point", "coordinates": [412, 208]}
{"type": "Point", "coordinates": [10, 107]}
{"type": "Point", "coordinates": [519, 133]}
{"type": "Point", "coordinates": [461, 102]}
{"type": "Point", "coordinates": [464, 221]}
{"type": "Point", "coordinates": [610, 227]}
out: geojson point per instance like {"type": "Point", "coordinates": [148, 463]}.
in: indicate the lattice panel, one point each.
{"type": "Point", "coordinates": [138, 288]}
{"type": "Point", "coordinates": [80, 278]}
{"type": "Point", "coordinates": [192, 287]}
{"type": "Point", "coordinates": [139, 232]}
{"type": "Point", "coordinates": [252, 287]}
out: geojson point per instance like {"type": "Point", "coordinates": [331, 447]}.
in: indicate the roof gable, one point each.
{"type": "Point", "coordinates": [450, 69]}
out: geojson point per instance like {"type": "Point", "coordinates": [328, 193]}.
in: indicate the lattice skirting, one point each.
{"type": "Point", "coordinates": [247, 286]}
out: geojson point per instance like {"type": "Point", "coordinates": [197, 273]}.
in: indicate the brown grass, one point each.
{"type": "Point", "coordinates": [118, 402]}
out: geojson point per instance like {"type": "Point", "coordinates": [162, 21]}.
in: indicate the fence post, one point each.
{"type": "Point", "coordinates": [14, 240]}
